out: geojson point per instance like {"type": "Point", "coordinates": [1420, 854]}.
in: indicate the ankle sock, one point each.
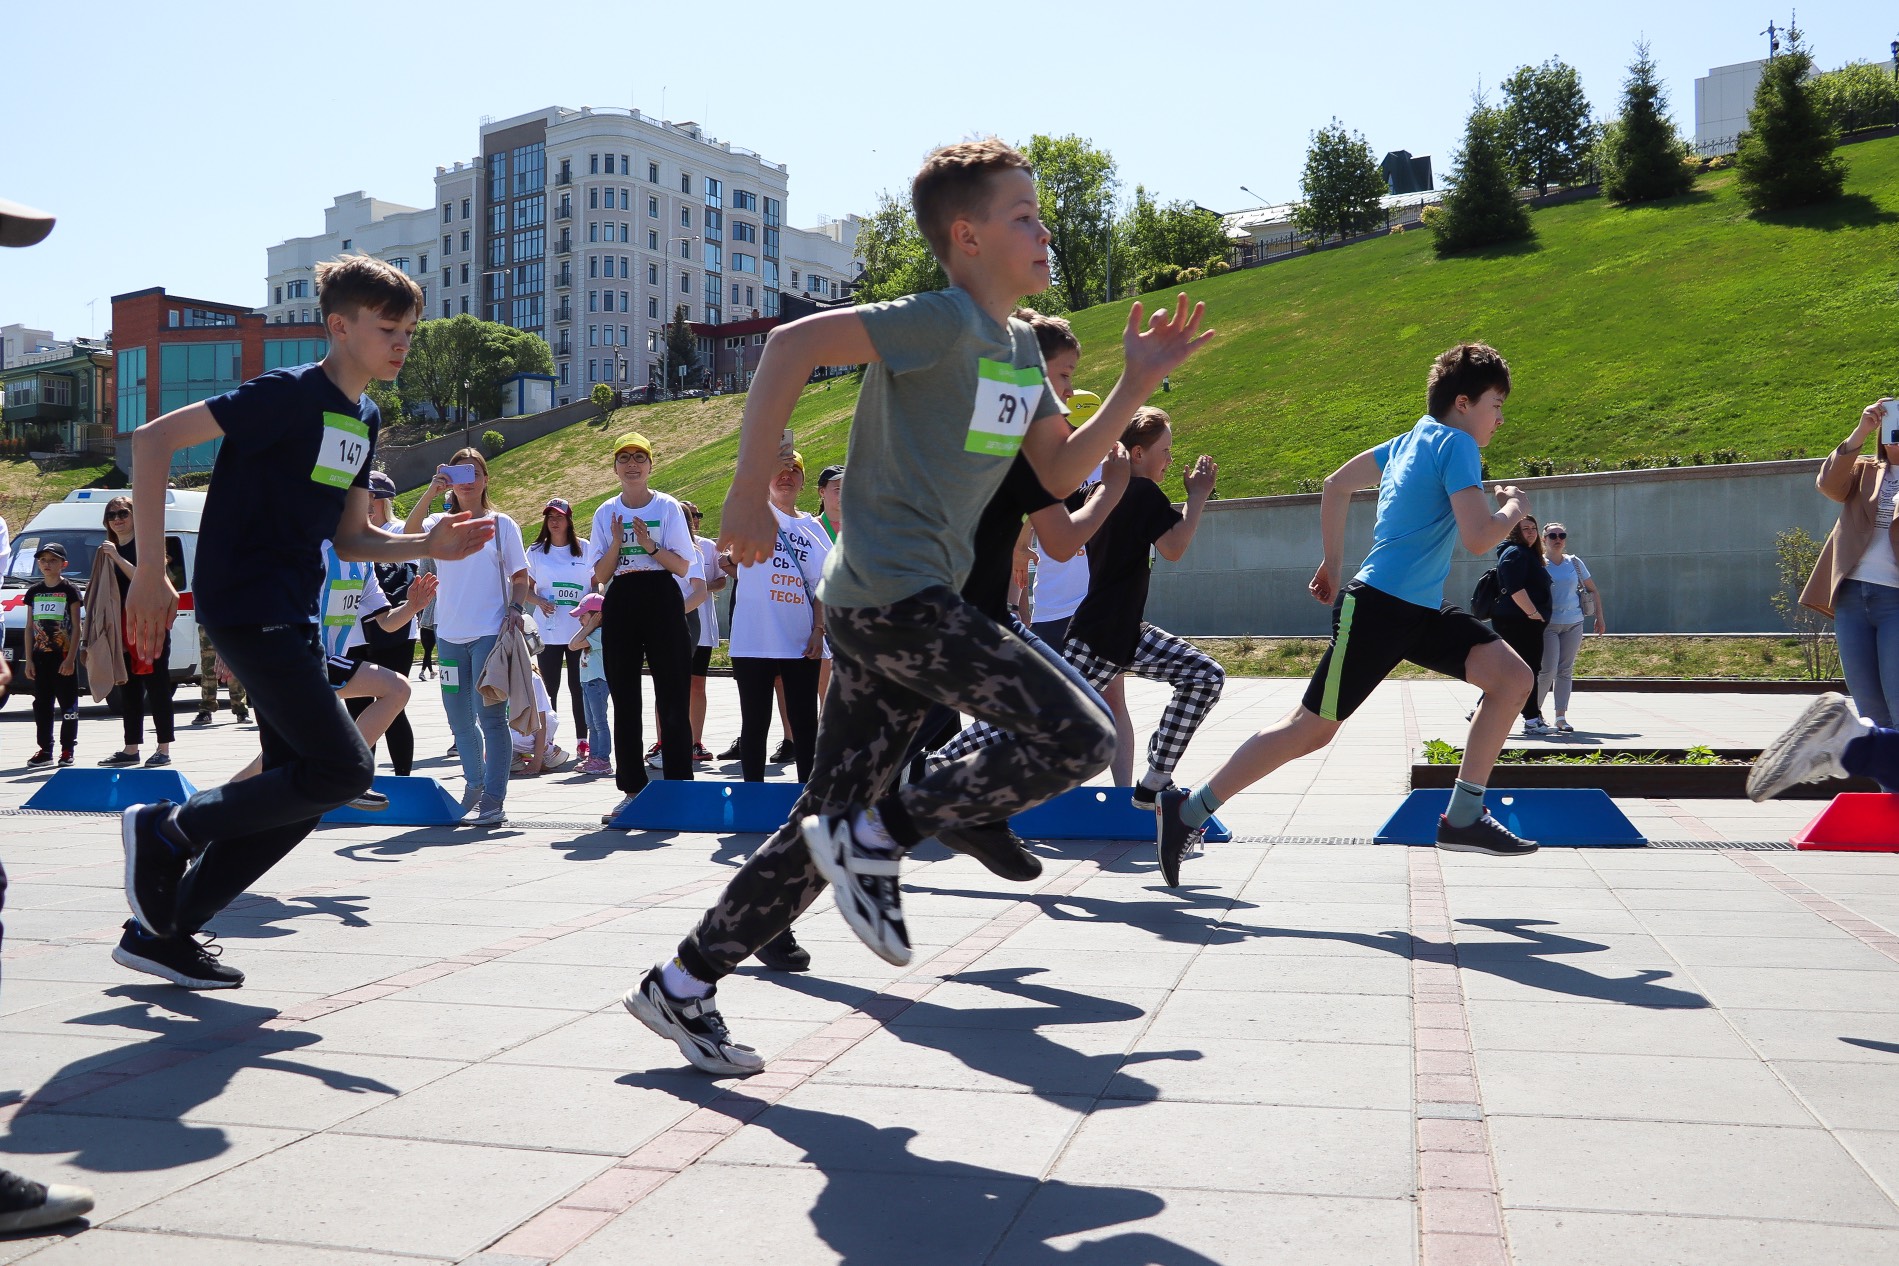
{"type": "Point", "coordinates": [1200, 806]}
{"type": "Point", "coordinates": [1467, 804]}
{"type": "Point", "coordinates": [1155, 780]}
{"type": "Point", "coordinates": [680, 983]}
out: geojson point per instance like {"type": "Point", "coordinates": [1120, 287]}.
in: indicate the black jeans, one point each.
{"type": "Point", "coordinates": [398, 658]}
{"type": "Point", "coordinates": [1524, 636]}
{"type": "Point", "coordinates": [754, 678]}
{"type": "Point", "coordinates": [428, 647]}
{"type": "Point", "coordinates": [54, 689]}
{"type": "Point", "coordinates": [148, 692]}
{"type": "Point", "coordinates": [890, 664]}
{"type": "Point", "coordinates": [314, 760]}
{"type": "Point", "coordinates": [643, 621]}
{"type": "Point", "coordinates": [550, 660]}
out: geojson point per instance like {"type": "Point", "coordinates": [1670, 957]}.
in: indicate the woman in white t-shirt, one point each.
{"type": "Point", "coordinates": [478, 597]}
{"type": "Point", "coordinates": [562, 576]}
{"type": "Point", "coordinates": [1563, 632]}
{"type": "Point", "coordinates": [778, 630]}
{"type": "Point", "coordinates": [640, 545]}
{"type": "Point", "coordinates": [714, 577]}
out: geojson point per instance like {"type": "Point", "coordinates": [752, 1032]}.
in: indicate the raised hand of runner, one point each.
{"type": "Point", "coordinates": [1169, 338]}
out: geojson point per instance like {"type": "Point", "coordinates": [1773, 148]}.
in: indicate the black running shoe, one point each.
{"type": "Point", "coordinates": [26, 1205]}
{"type": "Point", "coordinates": [183, 960]}
{"type": "Point", "coordinates": [694, 1025]}
{"type": "Point", "coordinates": [371, 801]}
{"type": "Point", "coordinates": [785, 751]}
{"type": "Point", "coordinates": [153, 866]}
{"type": "Point", "coordinates": [1173, 837]}
{"type": "Point", "coordinates": [41, 757]}
{"type": "Point", "coordinates": [997, 847]}
{"type": "Point", "coordinates": [1485, 835]}
{"type": "Point", "coordinates": [783, 953]}
{"type": "Point", "coordinates": [730, 753]}
{"type": "Point", "coordinates": [1149, 797]}
{"type": "Point", "coordinates": [866, 884]}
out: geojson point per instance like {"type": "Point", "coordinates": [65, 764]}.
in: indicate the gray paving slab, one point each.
{"type": "Point", "coordinates": [1540, 1238]}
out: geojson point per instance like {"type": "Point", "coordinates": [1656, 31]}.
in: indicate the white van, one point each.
{"type": "Point", "coordinates": [78, 523]}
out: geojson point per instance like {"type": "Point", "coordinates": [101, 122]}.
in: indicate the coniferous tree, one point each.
{"type": "Point", "coordinates": [1482, 207]}
{"type": "Point", "coordinates": [1641, 153]}
{"type": "Point", "coordinates": [1786, 157]}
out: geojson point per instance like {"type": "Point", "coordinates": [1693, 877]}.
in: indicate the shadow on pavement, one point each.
{"type": "Point", "coordinates": [256, 918]}
{"type": "Point", "coordinates": [212, 1027]}
{"type": "Point", "coordinates": [1890, 1048]}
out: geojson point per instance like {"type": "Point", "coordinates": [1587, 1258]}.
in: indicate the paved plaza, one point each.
{"type": "Point", "coordinates": [1316, 1051]}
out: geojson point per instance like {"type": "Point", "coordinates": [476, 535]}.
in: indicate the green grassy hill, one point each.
{"type": "Point", "coordinates": [1675, 328]}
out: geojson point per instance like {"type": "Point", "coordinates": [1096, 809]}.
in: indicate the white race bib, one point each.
{"type": "Point", "coordinates": [345, 449]}
{"type": "Point", "coordinates": [50, 606]}
{"type": "Point", "coordinates": [1005, 404]}
{"type": "Point", "coordinates": [568, 593]}
{"type": "Point", "coordinates": [630, 544]}
{"type": "Point", "coordinates": [451, 678]}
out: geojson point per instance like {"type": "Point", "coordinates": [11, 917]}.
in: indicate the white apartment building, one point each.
{"type": "Point", "coordinates": [821, 263]}
{"type": "Point", "coordinates": [457, 193]}
{"type": "Point", "coordinates": [20, 341]}
{"type": "Point", "coordinates": [355, 224]}
{"type": "Point", "coordinates": [1723, 97]}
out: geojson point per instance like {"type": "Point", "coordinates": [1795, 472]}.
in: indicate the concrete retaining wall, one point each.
{"type": "Point", "coordinates": [1686, 550]}
{"type": "Point", "coordinates": [413, 466]}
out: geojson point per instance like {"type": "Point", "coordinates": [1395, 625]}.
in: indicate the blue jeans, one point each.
{"type": "Point", "coordinates": [599, 734]}
{"type": "Point", "coordinates": [314, 760]}
{"type": "Point", "coordinates": [1866, 626]}
{"type": "Point", "coordinates": [481, 729]}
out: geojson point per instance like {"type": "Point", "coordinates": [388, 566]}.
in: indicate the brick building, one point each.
{"type": "Point", "coordinates": [172, 351]}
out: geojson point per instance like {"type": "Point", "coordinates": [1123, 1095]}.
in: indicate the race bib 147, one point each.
{"type": "Point", "coordinates": [345, 449]}
{"type": "Point", "coordinates": [1005, 403]}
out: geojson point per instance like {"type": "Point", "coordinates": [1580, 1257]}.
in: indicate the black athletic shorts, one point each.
{"type": "Point", "coordinates": [342, 668]}
{"type": "Point", "coordinates": [1372, 632]}
{"type": "Point", "coordinates": [701, 660]}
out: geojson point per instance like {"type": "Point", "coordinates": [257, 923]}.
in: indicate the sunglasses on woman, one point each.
{"type": "Point", "coordinates": [1556, 536]}
{"type": "Point", "coordinates": [118, 514]}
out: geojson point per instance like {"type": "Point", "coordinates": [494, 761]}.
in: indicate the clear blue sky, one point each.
{"type": "Point", "coordinates": [177, 141]}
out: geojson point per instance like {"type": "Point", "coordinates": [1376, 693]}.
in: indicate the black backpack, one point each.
{"type": "Point", "coordinates": [1483, 598]}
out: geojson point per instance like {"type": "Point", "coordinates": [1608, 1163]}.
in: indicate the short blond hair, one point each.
{"type": "Point", "coordinates": [953, 184]}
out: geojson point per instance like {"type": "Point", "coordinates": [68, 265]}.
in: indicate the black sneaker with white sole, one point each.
{"type": "Point", "coordinates": [1808, 750]}
{"type": "Point", "coordinates": [26, 1205]}
{"type": "Point", "coordinates": [153, 866]}
{"type": "Point", "coordinates": [783, 953]}
{"type": "Point", "coordinates": [1485, 835]}
{"type": "Point", "coordinates": [371, 801]}
{"type": "Point", "coordinates": [1173, 838]}
{"type": "Point", "coordinates": [186, 961]}
{"type": "Point", "coordinates": [866, 885]}
{"type": "Point", "coordinates": [1148, 798]}
{"type": "Point", "coordinates": [997, 847]}
{"type": "Point", "coordinates": [694, 1025]}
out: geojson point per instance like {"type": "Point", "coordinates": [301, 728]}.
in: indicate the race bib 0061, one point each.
{"type": "Point", "coordinates": [1005, 402]}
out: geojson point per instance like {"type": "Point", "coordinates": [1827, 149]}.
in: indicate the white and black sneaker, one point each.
{"type": "Point", "coordinates": [26, 1205]}
{"type": "Point", "coordinates": [1809, 750]}
{"type": "Point", "coordinates": [866, 884]}
{"type": "Point", "coordinates": [1173, 838]}
{"type": "Point", "coordinates": [153, 866]}
{"type": "Point", "coordinates": [1535, 725]}
{"type": "Point", "coordinates": [626, 802]}
{"type": "Point", "coordinates": [186, 961]}
{"type": "Point", "coordinates": [1146, 797]}
{"type": "Point", "coordinates": [694, 1025]}
{"type": "Point", "coordinates": [1485, 835]}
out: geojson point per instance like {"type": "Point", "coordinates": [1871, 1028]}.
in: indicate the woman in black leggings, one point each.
{"type": "Point", "coordinates": [149, 690]}
{"type": "Point", "coordinates": [1523, 605]}
{"type": "Point", "coordinates": [561, 577]}
{"type": "Point", "coordinates": [640, 544]}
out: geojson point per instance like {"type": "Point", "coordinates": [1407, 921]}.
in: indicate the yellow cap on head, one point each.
{"type": "Point", "coordinates": [633, 439]}
{"type": "Point", "coordinates": [797, 461]}
{"type": "Point", "coordinates": [1082, 406]}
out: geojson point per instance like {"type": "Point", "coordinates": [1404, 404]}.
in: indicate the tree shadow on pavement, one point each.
{"type": "Point", "coordinates": [202, 1040]}
{"type": "Point", "coordinates": [883, 1203]}
{"type": "Point", "coordinates": [1008, 1042]}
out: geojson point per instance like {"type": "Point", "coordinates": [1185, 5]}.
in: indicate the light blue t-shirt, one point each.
{"type": "Point", "coordinates": [1416, 530]}
{"type": "Point", "coordinates": [593, 664]}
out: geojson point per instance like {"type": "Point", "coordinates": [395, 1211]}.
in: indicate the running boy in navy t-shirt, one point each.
{"type": "Point", "coordinates": [292, 471]}
{"type": "Point", "coordinates": [1430, 499]}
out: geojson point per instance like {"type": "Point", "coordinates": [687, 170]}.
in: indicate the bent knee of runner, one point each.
{"type": "Point", "coordinates": [341, 776]}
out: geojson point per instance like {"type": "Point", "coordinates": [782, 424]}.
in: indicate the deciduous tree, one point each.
{"type": "Point", "coordinates": [1547, 126]}
{"type": "Point", "coordinates": [1077, 183]}
{"type": "Point", "coordinates": [1341, 187]}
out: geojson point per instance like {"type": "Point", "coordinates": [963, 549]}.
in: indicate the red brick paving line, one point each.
{"type": "Point", "coordinates": [1864, 930]}
{"type": "Point", "coordinates": [69, 1088]}
{"type": "Point", "coordinates": [1460, 1214]}
{"type": "Point", "coordinates": [558, 1230]}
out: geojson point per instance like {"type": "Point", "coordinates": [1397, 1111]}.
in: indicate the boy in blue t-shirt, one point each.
{"type": "Point", "coordinates": [1430, 500]}
{"type": "Point", "coordinates": [292, 472]}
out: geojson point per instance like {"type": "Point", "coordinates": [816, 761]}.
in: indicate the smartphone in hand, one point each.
{"type": "Point", "coordinates": [1889, 422]}
{"type": "Point", "coordinates": [462, 474]}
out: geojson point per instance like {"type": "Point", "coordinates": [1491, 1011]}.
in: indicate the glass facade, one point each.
{"type": "Point", "coordinates": [188, 373]}
{"type": "Point", "coordinates": [282, 353]}
{"type": "Point", "coordinates": [131, 403]}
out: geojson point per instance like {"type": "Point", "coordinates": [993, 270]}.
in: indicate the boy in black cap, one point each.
{"type": "Point", "coordinates": [52, 654]}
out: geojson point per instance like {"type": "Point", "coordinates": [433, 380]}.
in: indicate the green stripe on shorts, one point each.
{"type": "Point", "coordinates": [1329, 702]}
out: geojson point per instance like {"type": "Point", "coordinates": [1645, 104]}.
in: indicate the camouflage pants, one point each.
{"type": "Point", "coordinates": [208, 679]}
{"type": "Point", "coordinates": [891, 665]}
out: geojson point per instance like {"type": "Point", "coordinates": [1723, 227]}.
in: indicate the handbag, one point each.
{"type": "Point", "coordinates": [1585, 599]}
{"type": "Point", "coordinates": [529, 629]}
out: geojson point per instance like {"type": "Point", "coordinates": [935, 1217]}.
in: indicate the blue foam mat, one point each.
{"type": "Point", "coordinates": [1086, 813]}
{"type": "Point", "coordinates": [109, 790]}
{"type": "Point", "coordinates": [413, 801]}
{"type": "Point", "coordinates": [1572, 817]}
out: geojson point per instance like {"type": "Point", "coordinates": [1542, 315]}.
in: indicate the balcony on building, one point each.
{"type": "Point", "coordinates": [564, 279]}
{"type": "Point", "coordinates": [38, 402]}
{"type": "Point", "coordinates": [564, 245]}
{"type": "Point", "coordinates": [563, 211]}
{"type": "Point", "coordinates": [564, 312]}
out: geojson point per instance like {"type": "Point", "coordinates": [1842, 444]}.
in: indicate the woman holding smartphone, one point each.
{"type": "Point", "coordinates": [1856, 580]}
{"type": "Point", "coordinates": [478, 596]}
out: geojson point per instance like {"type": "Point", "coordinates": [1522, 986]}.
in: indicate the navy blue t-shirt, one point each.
{"type": "Point", "coordinates": [293, 447]}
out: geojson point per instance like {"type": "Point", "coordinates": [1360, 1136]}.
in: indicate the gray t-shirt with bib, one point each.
{"type": "Point", "coordinates": [941, 416]}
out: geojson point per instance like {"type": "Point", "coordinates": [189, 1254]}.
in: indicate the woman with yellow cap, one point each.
{"type": "Point", "coordinates": [640, 543]}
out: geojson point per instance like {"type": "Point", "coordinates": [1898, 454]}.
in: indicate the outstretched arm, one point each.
{"type": "Point", "coordinates": [356, 541]}
{"type": "Point", "coordinates": [1480, 528]}
{"type": "Point", "coordinates": [1334, 506]}
{"type": "Point", "coordinates": [151, 604]}
{"type": "Point", "coordinates": [1173, 544]}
